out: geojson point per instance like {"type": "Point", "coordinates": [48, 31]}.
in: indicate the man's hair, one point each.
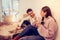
{"type": "Point", "coordinates": [28, 10]}
{"type": "Point", "coordinates": [26, 22]}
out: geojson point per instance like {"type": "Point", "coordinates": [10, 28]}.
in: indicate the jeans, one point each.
{"type": "Point", "coordinates": [29, 31]}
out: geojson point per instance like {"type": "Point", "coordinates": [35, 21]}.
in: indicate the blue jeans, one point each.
{"type": "Point", "coordinates": [29, 31]}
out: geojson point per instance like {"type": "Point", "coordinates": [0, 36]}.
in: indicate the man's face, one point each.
{"type": "Point", "coordinates": [31, 13]}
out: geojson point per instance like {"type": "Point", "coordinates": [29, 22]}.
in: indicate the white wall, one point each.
{"type": "Point", "coordinates": [36, 5]}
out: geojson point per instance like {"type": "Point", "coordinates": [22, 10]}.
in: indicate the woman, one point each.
{"type": "Point", "coordinates": [48, 26]}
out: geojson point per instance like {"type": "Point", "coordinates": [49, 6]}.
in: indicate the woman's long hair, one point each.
{"type": "Point", "coordinates": [48, 13]}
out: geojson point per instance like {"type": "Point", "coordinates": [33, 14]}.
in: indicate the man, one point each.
{"type": "Point", "coordinates": [30, 16]}
{"type": "Point", "coordinates": [28, 31]}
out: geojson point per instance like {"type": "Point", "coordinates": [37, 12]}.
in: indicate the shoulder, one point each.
{"type": "Point", "coordinates": [50, 19]}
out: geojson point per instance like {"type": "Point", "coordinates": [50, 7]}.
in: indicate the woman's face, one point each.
{"type": "Point", "coordinates": [43, 13]}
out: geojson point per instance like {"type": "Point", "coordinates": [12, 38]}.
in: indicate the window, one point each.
{"type": "Point", "coordinates": [10, 7]}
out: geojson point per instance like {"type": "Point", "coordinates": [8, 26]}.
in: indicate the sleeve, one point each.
{"type": "Point", "coordinates": [50, 30]}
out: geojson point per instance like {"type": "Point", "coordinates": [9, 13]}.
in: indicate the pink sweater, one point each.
{"type": "Point", "coordinates": [49, 29]}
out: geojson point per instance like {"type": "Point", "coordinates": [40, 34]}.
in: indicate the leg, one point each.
{"type": "Point", "coordinates": [31, 38]}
